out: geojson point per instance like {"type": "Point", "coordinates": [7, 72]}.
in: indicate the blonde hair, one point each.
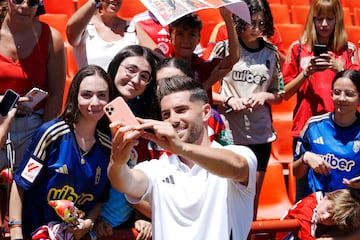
{"type": "Point", "coordinates": [325, 8]}
{"type": "Point", "coordinates": [345, 209]}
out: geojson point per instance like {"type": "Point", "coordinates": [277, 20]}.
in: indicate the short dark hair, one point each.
{"type": "Point", "coordinates": [176, 63]}
{"type": "Point", "coordinates": [254, 7]}
{"type": "Point", "coordinates": [182, 83]}
{"type": "Point", "coordinates": [191, 20]}
{"type": "Point", "coordinates": [353, 75]}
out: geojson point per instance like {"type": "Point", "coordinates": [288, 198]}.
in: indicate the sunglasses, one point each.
{"type": "Point", "coordinates": [31, 3]}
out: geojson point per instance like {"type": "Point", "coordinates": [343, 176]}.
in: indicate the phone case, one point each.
{"type": "Point", "coordinates": [118, 110]}
{"type": "Point", "coordinates": [37, 96]}
{"type": "Point", "coordinates": [8, 101]}
{"type": "Point", "coordinates": [319, 49]}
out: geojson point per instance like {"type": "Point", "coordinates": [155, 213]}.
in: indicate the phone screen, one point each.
{"type": "Point", "coordinates": [8, 101]}
{"type": "Point", "coordinates": [319, 49]}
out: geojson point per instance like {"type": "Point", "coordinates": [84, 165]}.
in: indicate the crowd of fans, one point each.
{"type": "Point", "coordinates": [193, 166]}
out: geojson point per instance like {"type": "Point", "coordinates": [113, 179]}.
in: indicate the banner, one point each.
{"type": "Point", "coordinates": [167, 11]}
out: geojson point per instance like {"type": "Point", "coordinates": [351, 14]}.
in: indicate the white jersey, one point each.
{"type": "Point", "coordinates": [194, 204]}
{"type": "Point", "coordinates": [95, 50]}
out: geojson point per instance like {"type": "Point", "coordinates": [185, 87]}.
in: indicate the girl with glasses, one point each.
{"type": "Point", "coordinates": [328, 149]}
{"type": "Point", "coordinates": [309, 76]}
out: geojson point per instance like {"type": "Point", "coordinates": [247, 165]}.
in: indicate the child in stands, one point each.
{"type": "Point", "coordinates": [335, 214]}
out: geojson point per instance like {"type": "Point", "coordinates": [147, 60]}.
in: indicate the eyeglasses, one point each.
{"type": "Point", "coordinates": [257, 24]}
{"type": "Point", "coordinates": [348, 93]}
{"type": "Point", "coordinates": [31, 3]}
{"type": "Point", "coordinates": [132, 71]}
{"type": "Point", "coordinates": [320, 20]}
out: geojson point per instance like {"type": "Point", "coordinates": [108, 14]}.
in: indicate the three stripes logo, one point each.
{"type": "Point", "coordinates": [169, 179]}
{"type": "Point", "coordinates": [319, 140]}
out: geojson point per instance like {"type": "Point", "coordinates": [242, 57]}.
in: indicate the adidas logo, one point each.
{"type": "Point", "coordinates": [63, 169]}
{"type": "Point", "coordinates": [169, 179]}
{"type": "Point", "coordinates": [163, 32]}
{"type": "Point", "coordinates": [319, 140]}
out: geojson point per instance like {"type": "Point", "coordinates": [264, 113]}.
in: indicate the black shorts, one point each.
{"type": "Point", "coordinates": [262, 153]}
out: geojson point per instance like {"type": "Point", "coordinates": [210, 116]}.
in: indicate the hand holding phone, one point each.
{"type": "Point", "coordinates": [36, 95]}
{"type": "Point", "coordinates": [8, 101]}
{"type": "Point", "coordinates": [118, 110]}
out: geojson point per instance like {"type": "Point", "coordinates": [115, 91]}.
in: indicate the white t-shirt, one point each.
{"type": "Point", "coordinates": [94, 50]}
{"type": "Point", "coordinates": [194, 204]}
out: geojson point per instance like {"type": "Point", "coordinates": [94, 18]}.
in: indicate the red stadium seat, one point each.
{"type": "Point", "coordinates": [60, 7]}
{"type": "Point", "coordinates": [290, 33]}
{"type": "Point", "coordinates": [280, 13]}
{"type": "Point", "coordinates": [299, 13]}
{"type": "Point", "coordinates": [273, 201]}
{"type": "Point", "coordinates": [57, 21]}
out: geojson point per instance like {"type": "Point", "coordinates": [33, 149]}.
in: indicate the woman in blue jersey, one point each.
{"type": "Point", "coordinates": [66, 159]}
{"type": "Point", "coordinates": [328, 149]}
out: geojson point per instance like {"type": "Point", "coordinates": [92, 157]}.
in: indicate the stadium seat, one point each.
{"type": "Point", "coordinates": [291, 183]}
{"type": "Point", "coordinates": [273, 201]}
{"type": "Point", "coordinates": [290, 33]}
{"type": "Point", "coordinates": [57, 21]}
{"type": "Point", "coordinates": [353, 34]}
{"type": "Point", "coordinates": [210, 17]}
{"type": "Point", "coordinates": [350, 4]}
{"type": "Point", "coordinates": [280, 13]}
{"type": "Point", "coordinates": [60, 7]}
{"type": "Point", "coordinates": [357, 16]}
{"type": "Point", "coordinates": [71, 66]}
{"type": "Point", "coordinates": [296, 2]}
{"type": "Point", "coordinates": [299, 13]}
{"type": "Point", "coordinates": [347, 17]}
{"type": "Point", "coordinates": [130, 8]}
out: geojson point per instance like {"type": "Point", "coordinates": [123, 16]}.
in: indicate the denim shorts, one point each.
{"type": "Point", "coordinates": [21, 132]}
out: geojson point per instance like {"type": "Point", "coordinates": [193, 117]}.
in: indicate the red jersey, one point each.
{"type": "Point", "coordinates": [24, 74]}
{"type": "Point", "coordinates": [158, 33]}
{"type": "Point", "coordinates": [313, 97]}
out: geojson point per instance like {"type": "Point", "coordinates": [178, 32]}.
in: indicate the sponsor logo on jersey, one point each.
{"type": "Point", "coordinates": [31, 170]}
{"type": "Point", "coordinates": [68, 192]}
{"type": "Point", "coordinates": [356, 146]}
{"type": "Point", "coordinates": [169, 179]}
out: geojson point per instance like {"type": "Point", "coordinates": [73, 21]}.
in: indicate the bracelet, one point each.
{"type": "Point", "coordinates": [226, 103]}
{"type": "Point", "coordinates": [13, 224]}
{"type": "Point", "coordinates": [304, 73]}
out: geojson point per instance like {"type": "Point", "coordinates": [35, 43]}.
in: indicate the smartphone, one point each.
{"type": "Point", "coordinates": [118, 110]}
{"type": "Point", "coordinates": [8, 101]}
{"type": "Point", "coordinates": [319, 49]}
{"type": "Point", "coordinates": [355, 179]}
{"type": "Point", "coordinates": [37, 95]}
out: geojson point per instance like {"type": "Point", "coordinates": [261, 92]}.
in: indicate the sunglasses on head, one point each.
{"type": "Point", "coordinates": [31, 3]}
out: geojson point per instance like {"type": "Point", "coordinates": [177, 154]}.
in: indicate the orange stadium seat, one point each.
{"type": "Point", "coordinates": [353, 34]}
{"type": "Point", "coordinates": [299, 13]}
{"type": "Point", "coordinates": [296, 2]}
{"type": "Point", "coordinates": [357, 16]}
{"type": "Point", "coordinates": [280, 13]}
{"type": "Point", "coordinates": [130, 8]}
{"type": "Point", "coordinates": [71, 66]}
{"type": "Point", "coordinates": [57, 21]}
{"type": "Point", "coordinates": [290, 33]}
{"type": "Point", "coordinates": [350, 4]}
{"type": "Point", "coordinates": [210, 17]}
{"type": "Point", "coordinates": [273, 201]}
{"type": "Point", "coordinates": [347, 17]}
{"type": "Point", "coordinates": [62, 7]}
